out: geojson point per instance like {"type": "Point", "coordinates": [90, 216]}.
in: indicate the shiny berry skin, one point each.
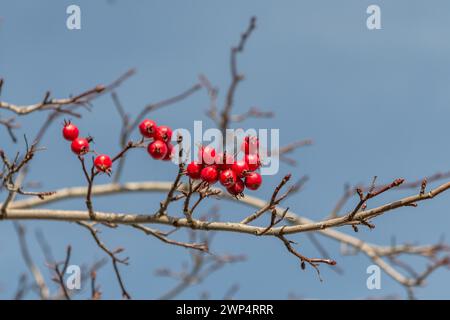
{"type": "Point", "coordinates": [237, 189]}
{"type": "Point", "coordinates": [224, 162]}
{"type": "Point", "coordinates": [253, 161]}
{"type": "Point", "coordinates": [240, 167]}
{"type": "Point", "coordinates": [147, 128]}
{"type": "Point", "coordinates": [253, 180]}
{"type": "Point", "coordinates": [70, 131]}
{"type": "Point", "coordinates": [206, 155]}
{"type": "Point", "coordinates": [210, 174]}
{"type": "Point", "coordinates": [194, 170]}
{"type": "Point", "coordinates": [80, 146]}
{"type": "Point", "coordinates": [157, 149]}
{"type": "Point", "coordinates": [170, 152]}
{"type": "Point", "coordinates": [227, 178]}
{"type": "Point", "coordinates": [250, 145]}
{"type": "Point", "coordinates": [163, 133]}
{"type": "Point", "coordinates": [103, 163]}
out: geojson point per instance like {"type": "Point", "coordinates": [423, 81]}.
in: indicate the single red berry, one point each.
{"type": "Point", "coordinates": [210, 174]}
{"type": "Point", "coordinates": [170, 152]}
{"type": "Point", "coordinates": [147, 128]}
{"type": "Point", "coordinates": [163, 133]}
{"type": "Point", "coordinates": [80, 146]}
{"type": "Point", "coordinates": [157, 149]}
{"type": "Point", "coordinates": [224, 162]}
{"type": "Point", "coordinates": [240, 167]}
{"type": "Point", "coordinates": [103, 163]}
{"type": "Point", "coordinates": [206, 155]}
{"type": "Point", "coordinates": [237, 189]}
{"type": "Point", "coordinates": [253, 180]}
{"type": "Point", "coordinates": [194, 170]}
{"type": "Point", "coordinates": [253, 161]}
{"type": "Point", "coordinates": [250, 145]}
{"type": "Point", "coordinates": [70, 131]}
{"type": "Point", "coordinates": [227, 178]}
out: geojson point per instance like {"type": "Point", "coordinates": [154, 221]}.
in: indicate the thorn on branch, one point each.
{"type": "Point", "coordinates": [46, 98]}
{"type": "Point", "coordinates": [423, 186]}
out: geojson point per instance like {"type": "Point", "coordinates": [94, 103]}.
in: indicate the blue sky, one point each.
{"type": "Point", "coordinates": [375, 103]}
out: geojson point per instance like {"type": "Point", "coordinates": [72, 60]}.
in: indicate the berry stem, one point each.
{"type": "Point", "coordinates": [90, 180]}
{"type": "Point", "coordinates": [165, 204]}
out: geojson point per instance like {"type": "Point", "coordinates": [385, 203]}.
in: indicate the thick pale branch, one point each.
{"type": "Point", "coordinates": [299, 224]}
{"type": "Point", "coordinates": [304, 224]}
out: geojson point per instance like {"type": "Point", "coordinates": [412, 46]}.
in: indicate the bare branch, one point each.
{"type": "Point", "coordinates": [235, 76]}
{"type": "Point", "coordinates": [313, 262]}
{"type": "Point", "coordinates": [112, 254]}
{"type": "Point", "coordinates": [34, 270]}
{"type": "Point", "coordinates": [56, 104]}
{"type": "Point", "coordinates": [299, 224]}
{"type": "Point", "coordinates": [196, 246]}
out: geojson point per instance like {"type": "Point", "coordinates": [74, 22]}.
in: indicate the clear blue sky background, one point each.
{"type": "Point", "coordinates": [375, 103]}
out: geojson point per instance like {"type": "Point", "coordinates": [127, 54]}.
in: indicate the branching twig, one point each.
{"type": "Point", "coordinates": [235, 76]}
{"type": "Point", "coordinates": [313, 262]}
{"type": "Point", "coordinates": [129, 125]}
{"type": "Point", "coordinates": [274, 200]}
{"type": "Point", "coordinates": [157, 234]}
{"type": "Point", "coordinates": [112, 254]}
{"type": "Point", "coordinates": [55, 104]}
{"type": "Point", "coordinates": [10, 125]}
{"type": "Point", "coordinates": [164, 205]}
{"type": "Point", "coordinates": [373, 192]}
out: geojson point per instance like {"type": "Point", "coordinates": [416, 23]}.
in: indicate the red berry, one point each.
{"type": "Point", "coordinates": [240, 167]}
{"type": "Point", "coordinates": [194, 170]}
{"type": "Point", "coordinates": [210, 174]}
{"type": "Point", "coordinates": [253, 161]}
{"type": "Point", "coordinates": [163, 133]}
{"type": "Point", "coordinates": [147, 128]}
{"type": "Point", "coordinates": [227, 178]}
{"type": "Point", "coordinates": [206, 155]}
{"type": "Point", "coordinates": [170, 151]}
{"type": "Point", "coordinates": [224, 162]}
{"type": "Point", "coordinates": [70, 131]}
{"type": "Point", "coordinates": [237, 189]}
{"type": "Point", "coordinates": [157, 149]}
{"type": "Point", "coordinates": [250, 145]}
{"type": "Point", "coordinates": [253, 180]}
{"type": "Point", "coordinates": [80, 146]}
{"type": "Point", "coordinates": [103, 163]}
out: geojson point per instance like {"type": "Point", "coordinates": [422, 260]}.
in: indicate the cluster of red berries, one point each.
{"type": "Point", "coordinates": [235, 175]}
{"type": "Point", "coordinates": [211, 167]}
{"type": "Point", "coordinates": [80, 146]}
{"type": "Point", "coordinates": [161, 148]}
